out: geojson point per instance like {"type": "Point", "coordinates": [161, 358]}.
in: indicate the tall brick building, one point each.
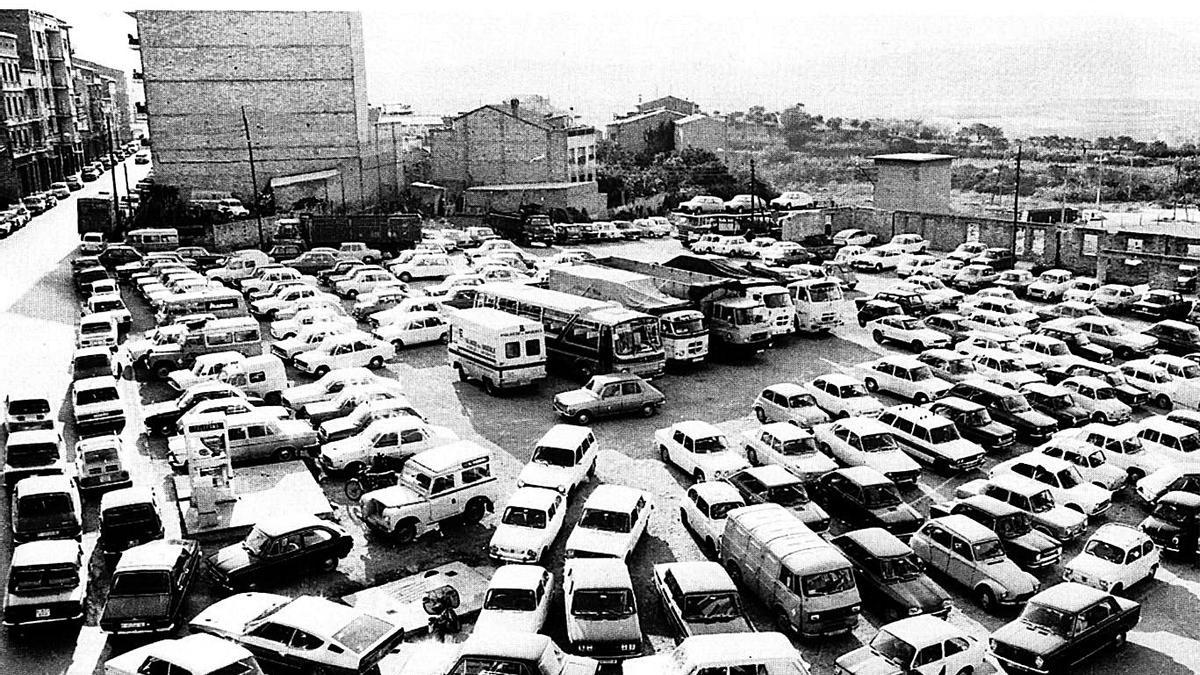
{"type": "Point", "coordinates": [300, 76]}
{"type": "Point", "coordinates": [913, 181]}
{"type": "Point", "coordinates": [629, 133]}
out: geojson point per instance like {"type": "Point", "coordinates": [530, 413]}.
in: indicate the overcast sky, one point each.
{"type": "Point", "coordinates": [940, 60]}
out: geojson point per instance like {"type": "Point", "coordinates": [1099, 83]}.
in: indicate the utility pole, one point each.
{"type": "Point", "coordinates": [1016, 200]}
{"type": "Point", "coordinates": [253, 177]}
{"type": "Point", "coordinates": [753, 198]}
{"type": "Point", "coordinates": [113, 158]}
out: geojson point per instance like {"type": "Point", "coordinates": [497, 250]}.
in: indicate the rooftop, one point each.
{"type": "Point", "coordinates": [50, 552]}
{"type": "Point", "coordinates": [719, 649]}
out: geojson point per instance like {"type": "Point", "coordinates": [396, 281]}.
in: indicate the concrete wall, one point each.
{"type": "Point", "coordinates": [630, 134]}
{"type": "Point", "coordinates": [489, 146]}
{"type": "Point", "coordinates": [704, 133]}
{"type": "Point", "coordinates": [913, 186]}
{"type": "Point", "coordinates": [299, 75]}
{"type": "Point", "coordinates": [1130, 257]}
{"type": "Point", "coordinates": [576, 195]}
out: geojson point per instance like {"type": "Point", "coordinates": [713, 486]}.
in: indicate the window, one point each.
{"type": "Point", "coordinates": [930, 654]}
{"type": "Point", "coordinates": [960, 548]}
{"type": "Point", "coordinates": [442, 484]}
{"type": "Point", "coordinates": [306, 641]}
{"type": "Point", "coordinates": [257, 431]}
{"type": "Point", "coordinates": [630, 389]}
{"type": "Point", "coordinates": [476, 474]}
{"type": "Point", "coordinates": [939, 536]}
{"type": "Point", "coordinates": [260, 376]}
{"type": "Point", "coordinates": [237, 433]}
{"type": "Point", "coordinates": [315, 536]}
{"type": "Point", "coordinates": [222, 338]}
{"type": "Point", "coordinates": [274, 632]}
{"type": "Point", "coordinates": [533, 348]}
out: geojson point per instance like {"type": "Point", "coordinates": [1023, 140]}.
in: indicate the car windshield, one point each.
{"type": "Point", "coordinates": [960, 367]}
{"type": "Point", "coordinates": [1015, 403]}
{"type": "Point", "coordinates": [988, 549]}
{"type": "Point", "coordinates": [788, 495]}
{"type": "Point", "coordinates": [718, 511]}
{"type": "Point", "coordinates": [852, 391]}
{"type": "Point", "coordinates": [255, 541]}
{"type": "Point", "coordinates": [636, 337]}
{"type": "Point", "coordinates": [1104, 551]}
{"type": "Point", "coordinates": [878, 442]}
{"type": "Point", "coordinates": [107, 306]}
{"type": "Point", "coordinates": [520, 516]}
{"type": "Point", "coordinates": [828, 583]}
{"type": "Point", "coordinates": [880, 496]}
{"type": "Point", "coordinates": [900, 568]}
{"type": "Point", "coordinates": [824, 292]}
{"type": "Point", "coordinates": [612, 603]}
{"type": "Point", "coordinates": [977, 418]}
{"type": "Point", "coordinates": [515, 599]}
{"type": "Point", "coordinates": [1054, 620]}
{"type": "Point", "coordinates": [548, 454]}
{"type": "Point", "coordinates": [893, 649]}
{"type": "Point", "coordinates": [129, 514]}
{"type": "Point", "coordinates": [362, 633]}
{"type": "Point", "coordinates": [1190, 371]}
{"type": "Point", "coordinates": [946, 433]}
{"type": "Point", "coordinates": [706, 607]}
{"type": "Point", "coordinates": [1041, 502]}
{"type": "Point", "coordinates": [800, 446]}
{"type": "Point", "coordinates": [745, 316]}
{"type": "Point", "coordinates": [1171, 513]}
{"type": "Point", "coordinates": [801, 401]}
{"type": "Point", "coordinates": [1096, 459]}
{"type": "Point", "coordinates": [608, 521]}
{"type": "Point", "coordinates": [684, 327]}
{"type": "Point", "coordinates": [1012, 526]}
{"type": "Point", "coordinates": [711, 444]}
{"type": "Point", "coordinates": [94, 327]}
{"type": "Point", "coordinates": [98, 395]}
{"type": "Point", "coordinates": [920, 373]}
{"type": "Point", "coordinates": [140, 583]}
{"type": "Point", "coordinates": [29, 406]}
{"type": "Point", "coordinates": [1057, 348]}
{"type": "Point", "coordinates": [42, 578]}
{"type": "Point", "coordinates": [105, 455]}
{"type": "Point", "coordinates": [776, 300]}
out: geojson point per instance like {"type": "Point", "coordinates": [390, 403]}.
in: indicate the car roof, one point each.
{"type": "Point", "coordinates": [567, 436]}
{"type": "Point", "coordinates": [1044, 388]}
{"type": "Point", "coordinates": [772, 475]}
{"type": "Point", "coordinates": [278, 524]}
{"type": "Point", "coordinates": [48, 552]}
{"type": "Point", "coordinates": [990, 505]}
{"type": "Point", "coordinates": [839, 379]}
{"type": "Point", "coordinates": [1017, 483]}
{"type": "Point", "coordinates": [450, 456]}
{"type": "Point", "coordinates": [160, 554]}
{"type": "Point", "coordinates": [785, 431]}
{"type": "Point", "coordinates": [517, 576]}
{"type": "Point", "coordinates": [1162, 424]}
{"type": "Point", "coordinates": [38, 485]}
{"type": "Point", "coordinates": [786, 388]}
{"type": "Point", "coordinates": [864, 475]}
{"type": "Point", "coordinates": [959, 403]}
{"type": "Point", "coordinates": [609, 496]}
{"type": "Point", "coordinates": [699, 576]}
{"type": "Point", "coordinates": [698, 429]}
{"type": "Point", "coordinates": [1089, 380]}
{"type": "Point", "coordinates": [136, 494]}
{"type": "Point", "coordinates": [718, 491]}
{"type": "Point", "coordinates": [528, 647]}
{"type": "Point", "coordinates": [1069, 596]}
{"type": "Point", "coordinates": [923, 630]}
{"type": "Point", "coordinates": [599, 572]}
{"type": "Point", "coordinates": [1119, 534]}
{"type": "Point", "coordinates": [861, 425]}
{"type": "Point", "coordinates": [878, 542]}
{"type": "Point", "coordinates": [719, 650]}
{"type": "Point", "coordinates": [197, 653]}
{"type": "Point", "coordinates": [1188, 499]}
{"type": "Point", "coordinates": [533, 498]}
{"type": "Point", "coordinates": [964, 527]}
{"type": "Point", "coordinates": [29, 436]}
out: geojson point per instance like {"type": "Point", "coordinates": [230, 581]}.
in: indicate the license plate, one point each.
{"type": "Point", "coordinates": [133, 624]}
{"type": "Point", "coordinates": [41, 614]}
{"type": "Point", "coordinates": [108, 478]}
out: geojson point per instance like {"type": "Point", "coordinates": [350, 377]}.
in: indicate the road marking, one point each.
{"type": "Point", "coordinates": [1171, 578]}
{"type": "Point", "coordinates": [92, 641]}
{"type": "Point", "coordinates": [1184, 651]}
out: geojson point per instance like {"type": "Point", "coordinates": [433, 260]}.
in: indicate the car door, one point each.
{"type": "Point", "coordinates": [413, 441]}
{"type": "Point", "coordinates": [270, 644]}
{"type": "Point", "coordinates": [260, 441]}
{"type": "Point", "coordinates": [631, 397]}
{"type": "Point", "coordinates": [610, 397]}
{"type": "Point", "coordinates": [928, 660]}
{"type": "Point", "coordinates": [960, 562]}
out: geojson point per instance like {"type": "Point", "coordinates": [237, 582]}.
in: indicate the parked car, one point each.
{"type": "Point", "coordinates": [843, 396]}
{"type": "Point", "coordinates": [1050, 286]}
{"type": "Point", "coordinates": [903, 376]}
{"type": "Point", "coordinates": [973, 277]}
{"type": "Point", "coordinates": [917, 645]}
{"type": "Point", "coordinates": [46, 584]}
{"type": "Point", "coordinates": [700, 599]}
{"type": "Point", "coordinates": [1115, 558]}
{"type": "Point", "coordinates": [529, 523]}
{"type": "Point", "coordinates": [609, 395]}
{"type": "Point", "coordinates": [198, 654]}
{"type": "Point", "coordinates": [1065, 482]}
{"type": "Point", "coordinates": [745, 203]}
{"type": "Point", "coordinates": [702, 204]}
{"type": "Point", "coordinates": [1171, 478]}
{"type": "Point", "coordinates": [1174, 524]}
{"type": "Point", "coordinates": [880, 258]}
{"type": "Point", "coordinates": [611, 523]}
{"type": "Point", "coordinates": [279, 546]}
{"type": "Point", "coordinates": [853, 237]}
{"type": "Point", "coordinates": [908, 331]}
{"type": "Point", "coordinates": [864, 497]}
{"type": "Point", "coordinates": [149, 586]}
{"type": "Point", "coordinates": [1016, 280]}
{"type": "Point", "coordinates": [703, 510]}
{"type": "Point", "coordinates": [698, 449]}
{"type": "Point", "coordinates": [1062, 626]}
{"type": "Point", "coordinates": [974, 423]}
{"type": "Point", "coordinates": [863, 441]}
{"type": "Point", "coordinates": [874, 309]}
{"type": "Point", "coordinates": [787, 402]}
{"type": "Point", "coordinates": [776, 485]}
{"type": "Point", "coordinates": [46, 507]}
{"type": "Point", "coordinates": [128, 517]}
{"type": "Point", "coordinates": [1158, 305]}
{"type": "Point", "coordinates": [967, 250]}
{"type": "Point", "coordinates": [793, 200]}
{"type": "Point", "coordinates": [949, 324]}
{"type": "Point", "coordinates": [1056, 402]}
{"type": "Point", "coordinates": [1032, 497]}
{"type": "Point", "coordinates": [1097, 398]}
{"type": "Point", "coordinates": [973, 556]}
{"type": "Point", "coordinates": [517, 600]}
{"type": "Point", "coordinates": [890, 575]}
{"type": "Point", "coordinates": [354, 349]}
{"type": "Point", "coordinates": [1028, 547]}
{"type": "Point", "coordinates": [1176, 337]}
{"type": "Point", "coordinates": [998, 258]}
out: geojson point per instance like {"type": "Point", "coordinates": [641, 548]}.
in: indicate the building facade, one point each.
{"type": "Point", "coordinates": [702, 132]}
{"type": "Point", "coordinates": [913, 181]}
{"type": "Point", "coordinates": [672, 103]}
{"type": "Point", "coordinates": [121, 109]}
{"type": "Point", "coordinates": [41, 143]}
{"type": "Point", "coordinates": [629, 133]}
{"type": "Point", "coordinates": [295, 80]}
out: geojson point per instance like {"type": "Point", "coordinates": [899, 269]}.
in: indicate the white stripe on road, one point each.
{"type": "Point", "coordinates": [1184, 651]}
{"type": "Point", "coordinates": [92, 641]}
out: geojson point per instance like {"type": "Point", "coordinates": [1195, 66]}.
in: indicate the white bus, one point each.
{"type": "Point", "coordinates": [588, 337]}
{"type": "Point", "coordinates": [500, 350]}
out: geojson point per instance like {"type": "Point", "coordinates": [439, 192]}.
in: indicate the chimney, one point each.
{"type": "Point", "coordinates": [514, 104]}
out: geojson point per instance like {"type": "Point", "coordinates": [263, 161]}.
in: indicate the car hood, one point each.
{"type": "Point", "coordinates": [1089, 495]}
{"type": "Point", "coordinates": [1021, 634]}
{"type": "Point", "coordinates": [395, 496]}
{"type": "Point", "coordinates": [516, 538]}
{"type": "Point", "coordinates": [316, 408]}
{"type": "Point", "coordinates": [346, 448]}
{"type": "Point", "coordinates": [575, 397]}
{"type": "Point", "coordinates": [612, 544]}
{"type": "Point", "coordinates": [1093, 567]}
{"type": "Point", "coordinates": [232, 558]}
{"type": "Point", "coordinates": [725, 461]}
{"type": "Point", "coordinates": [1061, 516]}
{"type": "Point", "coordinates": [506, 620]}
{"type": "Point", "coordinates": [930, 337]}
{"type": "Point", "coordinates": [864, 661]}
{"type": "Point", "coordinates": [815, 463]}
{"type": "Point", "coordinates": [889, 462]}
{"type": "Point", "coordinates": [229, 616]}
{"type": "Point", "coordinates": [151, 410]}
{"type": "Point", "coordinates": [590, 629]}
{"type": "Point", "coordinates": [544, 475]}
{"type": "Point", "coordinates": [897, 515]}
{"type": "Point", "coordinates": [921, 592]}
{"type": "Point", "coordinates": [1136, 340]}
{"type": "Point", "coordinates": [289, 344]}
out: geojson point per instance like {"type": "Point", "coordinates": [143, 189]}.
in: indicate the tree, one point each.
{"type": "Point", "coordinates": [757, 114]}
{"type": "Point", "coordinates": [659, 138]}
{"type": "Point", "coordinates": [834, 123]}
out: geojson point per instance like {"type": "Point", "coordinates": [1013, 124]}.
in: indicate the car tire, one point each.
{"type": "Point", "coordinates": [782, 623]}
{"type": "Point", "coordinates": [405, 532]}
{"type": "Point", "coordinates": [825, 449]}
{"type": "Point", "coordinates": [986, 599]}
{"type": "Point", "coordinates": [583, 418]}
{"type": "Point", "coordinates": [353, 468]}
{"type": "Point", "coordinates": [1163, 401]}
{"type": "Point", "coordinates": [398, 344]}
{"type": "Point", "coordinates": [405, 277]}
{"type": "Point", "coordinates": [1135, 475]}
{"type": "Point", "coordinates": [877, 336]}
{"type": "Point", "coordinates": [649, 410]}
{"type": "Point", "coordinates": [1119, 641]}
{"type": "Point", "coordinates": [1099, 417]}
{"type": "Point", "coordinates": [751, 456]}
{"type": "Point", "coordinates": [328, 565]}
{"type": "Point", "coordinates": [490, 387]}
{"type": "Point", "coordinates": [162, 370]}
{"type": "Point", "coordinates": [871, 385]}
{"type": "Point", "coordinates": [917, 346]}
{"type": "Point", "coordinates": [284, 454]}
{"type": "Point", "coordinates": [375, 363]}
{"type": "Point", "coordinates": [321, 371]}
{"type": "Point", "coordinates": [698, 476]}
{"type": "Point", "coordinates": [1116, 589]}
{"type": "Point", "coordinates": [1123, 352]}
{"type": "Point", "coordinates": [921, 398]}
{"type": "Point", "coordinates": [664, 455]}
{"type": "Point", "coordinates": [476, 509]}
{"type": "Point", "coordinates": [734, 573]}
{"type": "Point", "coordinates": [462, 372]}
{"type": "Point", "coordinates": [878, 267]}
{"type": "Point", "coordinates": [761, 415]}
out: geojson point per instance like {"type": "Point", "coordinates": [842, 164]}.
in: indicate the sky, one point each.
{"type": "Point", "coordinates": [1050, 66]}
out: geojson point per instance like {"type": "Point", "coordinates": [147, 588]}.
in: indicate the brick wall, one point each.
{"type": "Point", "coordinates": [631, 134]}
{"type": "Point", "coordinates": [491, 147]}
{"type": "Point", "coordinates": [913, 186]}
{"type": "Point", "coordinates": [705, 133]}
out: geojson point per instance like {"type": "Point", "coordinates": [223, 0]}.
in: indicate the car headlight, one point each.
{"type": "Point", "coordinates": [629, 647]}
{"type": "Point", "coordinates": [913, 611]}
{"type": "Point", "coordinates": [585, 647]}
{"type": "Point", "coordinates": [814, 617]}
{"type": "Point", "coordinates": [1175, 540]}
{"type": "Point", "coordinates": [1039, 662]}
{"type": "Point", "coordinates": [992, 644]}
{"type": "Point", "coordinates": [493, 549]}
{"type": "Point", "coordinates": [521, 483]}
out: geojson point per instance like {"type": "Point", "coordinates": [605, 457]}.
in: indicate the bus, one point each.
{"type": "Point", "coordinates": [589, 337]}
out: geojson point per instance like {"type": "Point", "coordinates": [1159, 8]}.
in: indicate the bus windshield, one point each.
{"type": "Point", "coordinates": [684, 327]}
{"type": "Point", "coordinates": [636, 337]}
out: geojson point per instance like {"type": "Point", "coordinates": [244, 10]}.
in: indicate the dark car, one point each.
{"type": "Point", "coordinates": [1055, 402]}
{"type": "Point", "coordinates": [974, 423]}
{"type": "Point", "coordinates": [1077, 341]}
{"type": "Point", "coordinates": [890, 576]}
{"type": "Point", "coordinates": [84, 262]}
{"type": "Point", "coordinates": [203, 259]}
{"type": "Point", "coordinates": [1175, 337]}
{"type": "Point", "coordinates": [1008, 406]}
{"type": "Point", "coordinates": [119, 254]}
{"type": "Point", "coordinates": [874, 309]}
{"type": "Point", "coordinates": [1126, 393]}
{"type": "Point", "coordinates": [863, 497]}
{"type": "Point", "coordinates": [912, 302]}
{"type": "Point", "coordinates": [998, 258]}
{"type": "Point", "coordinates": [283, 250]}
{"type": "Point", "coordinates": [312, 262]}
{"type": "Point", "coordinates": [161, 418]}
{"type": "Point", "coordinates": [1160, 304]}
{"type": "Point", "coordinates": [92, 362]}
{"type": "Point", "coordinates": [278, 547]}
{"type": "Point", "coordinates": [1029, 548]}
{"type": "Point", "coordinates": [128, 517]}
{"type": "Point", "coordinates": [1174, 522]}
{"type": "Point", "coordinates": [149, 586]}
{"type": "Point", "coordinates": [774, 484]}
{"type": "Point", "coordinates": [820, 246]}
{"type": "Point", "coordinates": [1063, 626]}
{"type": "Point", "coordinates": [342, 266]}
{"type": "Point", "coordinates": [950, 324]}
{"type": "Point", "coordinates": [1185, 281]}
{"type": "Point", "coordinates": [88, 174]}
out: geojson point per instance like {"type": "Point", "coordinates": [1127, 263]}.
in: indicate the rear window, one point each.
{"type": "Point", "coordinates": [141, 583]}
{"type": "Point", "coordinates": [29, 406]}
{"type": "Point", "coordinates": [363, 632]}
{"type": "Point", "coordinates": [89, 362]}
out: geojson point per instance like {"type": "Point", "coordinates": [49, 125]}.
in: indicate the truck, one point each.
{"type": "Point", "coordinates": [524, 227]}
{"type": "Point", "coordinates": [98, 214]}
{"type": "Point", "coordinates": [736, 321]}
{"type": "Point", "coordinates": [757, 281]}
{"type": "Point", "coordinates": [389, 233]}
{"type": "Point", "coordinates": [682, 328]}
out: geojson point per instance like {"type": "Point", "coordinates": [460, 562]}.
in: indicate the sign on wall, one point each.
{"type": "Point", "coordinates": [1019, 243]}
{"type": "Point", "coordinates": [1039, 242]}
{"type": "Point", "coordinates": [1134, 245]}
{"type": "Point", "coordinates": [1091, 244]}
{"type": "Point", "coordinates": [972, 231]}
{"type": "Point", "coordinates": [1193, 250]}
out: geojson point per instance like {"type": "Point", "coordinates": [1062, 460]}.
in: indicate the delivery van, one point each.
{"type": "Point", "coordinates": [498, 349]}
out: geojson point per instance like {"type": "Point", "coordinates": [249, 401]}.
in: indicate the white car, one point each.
{"type": "Point", "coordinates": [196, 654]}
{"type": "Point", "coordinates": [699, 449]}
{"type": "Point", "coordinates": [702, 204]}
{"type": "Point", "coordinates": [699, 598]}
{"type": "Point", "coordinates": [703, 509]}
{"type": "Point", "coordinates": [1000, 305]}
{"type": "Point", "coordinates": [787, 402]}
{"type": "Point", "coordinates": [392, 437]}
{"type": "Point", "coordinates": [781, 253]}
{"type": "Point", "coordinates": [416, 328]}
{"type": "Point", "coordinates": [364, 282]}
{"type": "Point", "coordinates": [1114, 559]}
{"type": "Point", "coordinates": [843, 396]}
{"type": "Point", "coordinates": [741, 203]}
{"type": "Point", "coordinates": [853, 237]}
{"type": "Point", "coordinates": [934, 291]}
{"type": "Point", "coordinates": [787, 445]}
{"type": "Point", "coordinates": [793, 200]}
{"type": "Point", "coordinates": [331, 384]}
{"type": "Point", "coordinates": [611, 523]}
{"type": "Point", "coordinates": [1166, 390]}
{"type": "Point", "coordinates": [1115, 334]}
{"type": "Point", "coordinates": [494, 246]}
{"type": "Point", "coordinates": [917, 645]}
{"type": "Point", "coordinates": [308, 632]}
{"type": "Point", "coordinates": [903, 376]}
{"type": "Point", "coordinates": [1000, 324]}
{"type": "Point", "coordinates": [915, 264]}
{"type": "Point", "coordinates": [345, 351]}
{"type": "Point", "coordinates": [562, 460]}
{"type": "Point", "coordinates": [529, 524]}
{"type": "Point", "coordinates": [754, 247]}
{"type": "Point", "coordinates": [1097, 397]}
{"type": "Point", "coordinates": [982, 341]}
{"type": "Point", "coordinates": [1081, 289]}
{"type": "Point", "coordinates": [1000, 366]}
{"type": "Point", "coordinates": [517, 599]}
{"type": "Point", "coordinates": [910, 243]}
{"type": "Point", "coordinates": [908, 331]}
{"type": "Point", "coordinates": [278, 306]}
{"type": "Point", "coordinates": [309, 338]}
{"type": "Point", "coordinates": [1121, 445]}
{"type": "Point", "coordinates": [848, 254]}
{"type": "Point", "coordinates": [1177, 443]}
{"type": "Point", "coordinates": [1046, 350]}
{"type": "Point", "coordinates": [967, 251]}
{"type": "Point", "coordinates": [359, 251]}
{"type": "Point", "coordinates": [880, 258]}
{"type": "Point", "coordinates": [863, 441]}
{"type": "Point", "coordinates": [1182, 368]}
{"type": "Point", "coordinates": [501, 272]}
{"type": "Point", "coordinates": [726, 245]}
{"type": "Point", "coordinates": [1050, 286]}
{"type": "Point", "coordinates": [424, 266]}
{"type": "Point", "coordinates": [1091, 462]}
{"type": "Point", "coordinates": [321, 300]}
{"type": "Point", "coordinates": [406, 306]}
{"type": "Point", "coordinates": [1173, 478]}
{"type": "Point", "coordinates": [257, 285]}
{"type": "Point", "coordinates": [1069, 487]}
{"type": "Point", "coordinates": [1111, 298]}
{"type": "Point", "coordinates": [946, 269]}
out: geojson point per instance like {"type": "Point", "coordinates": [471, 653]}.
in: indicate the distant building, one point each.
{"type": "Point", "coordinates": [672, 103]}
{"type": "Point", "coordinates": [703, 132]}
{"type": "Point", "coordinates": [299, 78]}
{"type": "Point", "coordinates": [745, 135]}
{"type": "Point", "coordinates": [117, 98]}
{"type": "Point", "coordinates": [913, 181]}
{"type": "Point", "coordinates": [629, 133]}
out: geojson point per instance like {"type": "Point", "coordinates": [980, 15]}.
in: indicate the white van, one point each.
{"type": "Point", "coordinates": [501, 350]}
{"type": "Point", "coordinates": [153, 239]}
{"type": "Point", "coordinates": [601, 609]}
{"type": "Point", "coordinates": [222, 303]}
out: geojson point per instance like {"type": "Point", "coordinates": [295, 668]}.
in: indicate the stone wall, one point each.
{"type": "Point", "coordinates": [489, 146]}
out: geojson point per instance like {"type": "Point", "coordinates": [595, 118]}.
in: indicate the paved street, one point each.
{"type": "Point", "coordinates": [37, 330]}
